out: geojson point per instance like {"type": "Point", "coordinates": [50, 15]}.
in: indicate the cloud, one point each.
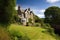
{"type": "Point", "coordinates": [42, 11]}
{"type": "Point", "coordinates": [41, 16]}
{"type": "Point", "coordinates": [52, 1]}
{"type": "Point", "coordinates": [39, 13]}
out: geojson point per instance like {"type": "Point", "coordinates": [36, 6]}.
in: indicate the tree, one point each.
{"type": "Point", "coordinates": [7, 11]}
{"type": "Point", "coordinates": [30, 20]}
{"type": "Point", "coordinates": [52, 15]}
{"type": "Point", "coordinates": [37, 19]}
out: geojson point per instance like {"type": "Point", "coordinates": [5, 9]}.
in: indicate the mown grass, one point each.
{"type": "Point", "coordinates": [33, 33]}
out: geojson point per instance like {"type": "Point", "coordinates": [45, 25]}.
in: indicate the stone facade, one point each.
{"type": "Point", "coordinates": [25, 15]}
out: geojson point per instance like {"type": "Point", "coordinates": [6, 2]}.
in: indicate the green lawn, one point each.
{"type": "Point", "coordinates": [34, 33]}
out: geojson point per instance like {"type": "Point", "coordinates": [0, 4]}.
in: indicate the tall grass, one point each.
{"type": "Point", "coordinates": [4, 35]}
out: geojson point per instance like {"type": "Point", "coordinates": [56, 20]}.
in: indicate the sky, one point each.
{"type": "Point", "coordinates": [37, 6]}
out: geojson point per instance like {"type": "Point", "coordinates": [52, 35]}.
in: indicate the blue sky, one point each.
{"type": "Point", "coordinates": [38, 6]}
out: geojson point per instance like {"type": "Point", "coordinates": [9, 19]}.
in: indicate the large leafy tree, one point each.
{"type": "Point", "coordinates": [7, 10]}
{"type": "Point", "coordinates": [37, 19]}
{"type": "Point", "coordinates": [52, 15]}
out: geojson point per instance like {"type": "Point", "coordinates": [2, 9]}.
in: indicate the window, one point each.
{"type": "Point", "coordinates": [23, 20]}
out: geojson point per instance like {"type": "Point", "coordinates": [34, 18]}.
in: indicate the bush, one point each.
{"type": "Point", "coordinates": [45, 25]}
{"type": "Point", "coordinates": [27, 24]}
{"type": "Point", "coordinates": [37, 24]}
{"type": "Point", "coordinates": [30, 20]}
{"type": "Point", "coordinates": [50, 30]}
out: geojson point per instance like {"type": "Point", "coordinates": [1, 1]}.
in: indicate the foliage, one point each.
{"type": "Point", "coordinates": [46, 25]}
{"type": "Point", "coordinates": [17, 19]}
{"type": "Point", "coordinates": [48, 28]}
{"type": "Point", "coordinates": [52, 15]}
{"type": "Point", "coordinates": [27, 24]}
{"type": "Point", "coordinates": [37, 19]}
{"type": "Point", "coordinates": [7, 11]}
{"type": "Point", "coordinates": [37, 24]}
{"type": "Point", "coordinates": [57, 37]}
{"type": "Point", "coordinates": [30, 20]}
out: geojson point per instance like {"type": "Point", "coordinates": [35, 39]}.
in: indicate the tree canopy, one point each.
{"type": "Point", "coordinates": [37, 19]}
{"type": "Point", "coordinates": [52, 15]}
{"type": "Point", "coordinates": [7, 10]}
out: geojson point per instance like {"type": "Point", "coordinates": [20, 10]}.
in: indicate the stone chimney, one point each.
{"type": "Point", "coordinates": [19, 11]}
{"type": "Point", "coordinates": [18, 7]}
{"type": "Point", "coordinates": [28, 9]}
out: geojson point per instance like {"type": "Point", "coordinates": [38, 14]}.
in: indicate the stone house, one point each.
{"type": "Point", "coordinates": [25, 15]}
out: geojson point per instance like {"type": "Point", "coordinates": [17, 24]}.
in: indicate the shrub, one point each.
{"type": "Point", "coordinates": [27, 24]}
{"type": "Point", "coordinates": [30, 20]}
{"type": "Point", "coordinates": [45, 25]}
{"type": "Point", "coordinates": [37, 24]}
{"type": "Point", "coordinates": [50, 30]}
